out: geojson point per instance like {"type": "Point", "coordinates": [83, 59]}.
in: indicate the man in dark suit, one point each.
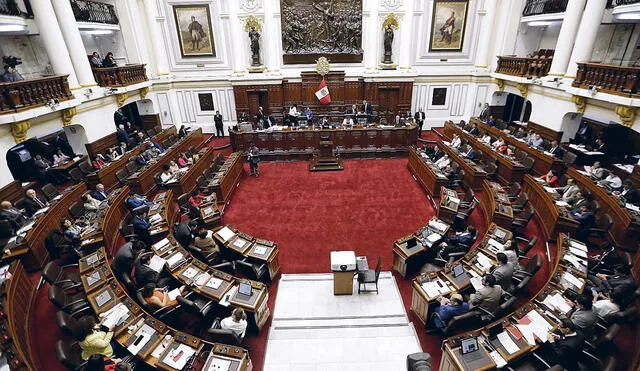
{"type": "Point", "coordinates": [9, 213]}
{"type": "Point", "coordinates": [555, 150]}
{"type": "Point", "coordinates": [217, 119]}
{"type": "Point", "coordinates": [619, 283]}
{"type": "Point", "coordinates": [44, 173]}
{"type": "Point", "coordinates": [600, 146]}
{"type": "Point", "coordinates": [491, 121]}
{"type": "Point", "coordinates": [474, 129]}
{"type": "Point", "coordinates": [584, 132]}
{"type": "Point", "coordinates": [419, 117]}
{"type": "Point", "coordinates": [460, 242]}
{"type": "Point", "coordinates": [353, 111]}
{"type": "Point", "coordinates": [123, 136]}
{"type": "Point", "coordinates": [141, 227]}
{"type": "Point", "coordinates": [503, 272]}
{"type": "Point", "coordinates": [469, 152]}
{"type": "Point", "coordinates": [629, 193]}
{"type": "Point", "coordinates": [100, 193]}
{"type": "Point", "coordinates": [565, 346]}
{"type": "Point", "coordinates": [124, 259]}
{"type": "Point", "coordinates": [145, 274]}
{"type": "Point", "coordinates": [587, 219]}
{"type": "Point", "coordinates": [367, 108]}
{"type": "Point", "coordinates": [484, 113]}
{"type": "Point", "coordinates": [183, 232]}
{"type": "Point", "coordinates": [33, 203]}
{"type": "Point", "coordinates": [136, 200]}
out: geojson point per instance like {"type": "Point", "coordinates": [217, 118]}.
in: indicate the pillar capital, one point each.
{"type": "Point", "coordinates": [67, 115]}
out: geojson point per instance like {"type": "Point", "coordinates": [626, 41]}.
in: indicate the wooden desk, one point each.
{"type": "Point", "coordinates": [406, 259]}
{"type": "Point", "coordinates": [496, 204]}
{"type": "Point", "coordinates": [543, 162]}
{"type": "Point", "coordinates": [68, 165]}
{"type": "Point", "coordinates": [15, 190]}
{"type": "Point", "coordinates": [426, 173]}
{"type": "Point", "coordinates": [349, 143]}
{"type": "Point", "coordinates": [474, 175]}
{"type": "Point", "coordinates": [625, 231]}
{"type": "Point", "coordinates": [449, 205]}
{"type": "Point", "coordinates": [554, 219]}
{"type": "Point", "coordinates": [143, 180]}
{"type": "Point", "coordinates": [187, 181]}
{"type": "Point", "coordinates": [227, 177]}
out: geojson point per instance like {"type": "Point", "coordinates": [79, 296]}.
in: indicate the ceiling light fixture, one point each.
{"type": "Point", "coordinates": [98, 32]}
{"type": "Point", "coordinates": [539, 23]}
{"type": "Point", "coordinates": [12, 27]}
{"type": "Point", "coordinates": [629, 16]}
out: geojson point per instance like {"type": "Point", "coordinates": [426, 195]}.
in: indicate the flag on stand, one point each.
{"type": "Point", "coordinates": [323, 93]}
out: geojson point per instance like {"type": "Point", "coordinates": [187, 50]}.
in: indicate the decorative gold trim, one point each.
{"type": "Point", "coordinates": [391, 19]}
{"type": "Point", "coordinates": [500, 83]}
{"type": "Point", "coordinates": [121, 98]}
{"type": "Point", "coordinates": [19, 130]}
{"type": "Point", "coordinates": [580, 102]}
{"type": "Point", "coordinates": [67, 115]}
{"type": "Point", "coordinates": [252, 21]}
{"type": "Point", "coordinates": [322, 66]}
{"type": "Point", "coordinates": [627, 114]}
{"type": "Point", "coordinates": [144, 92]}
{"type": "Point", "coordinates": [524, 89]}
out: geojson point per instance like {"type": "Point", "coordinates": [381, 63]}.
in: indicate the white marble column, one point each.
{"type": "Point", "coordinates": [131, 28]}
{"type": "Point", "coordinates": [156, 35]}
{"type": "Point", "coordinates": [587, 34]}
{"type": "Point", "coordinates": [371, 32]}
{"type": "Point", "coordinates": [239, 53]}
{"type": "Point", "coordinates": [486, 33]}
{"type": "Point", "coordinates": [407, 44]}
{"type": "Point", "coordinates": [567, 37]}
{"type": "Point", "coordinates": [53, 40]}
{"type": "Point", "coordinates": [270, 37]}
{"type": "Point", "coordinates": [74, 43]}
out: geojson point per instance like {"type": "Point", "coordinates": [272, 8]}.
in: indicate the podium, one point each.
{"type": "Point", "coordinates": [325, 161]}
{"type": "Point", "coordinates": [343, 266]}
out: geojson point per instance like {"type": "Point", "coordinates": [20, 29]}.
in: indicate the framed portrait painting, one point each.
{"type": "Point", "coordinates": [193, 23]}
{"type": "Point", "coordinates": [448, 25]}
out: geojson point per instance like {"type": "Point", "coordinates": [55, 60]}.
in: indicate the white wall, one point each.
{"type": "Point", "coordinates": [106, 43]}
{"type": "Point", "coordinates": [30, 48]}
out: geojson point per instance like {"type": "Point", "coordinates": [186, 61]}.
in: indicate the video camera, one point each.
{"type": "Point", "coordinates": [11, 61]}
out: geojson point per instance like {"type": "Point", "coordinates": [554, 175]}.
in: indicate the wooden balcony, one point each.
{"type": "Point", "coordinates": [93, 11]}
{"type": "Point", "coordinates": [537, 7]}
{"type": "Point", "coordinates": [623, 2]}
{"type": "Point", "coordinates": [524, 66]}
{"type": "Point", "coordinates": [610, 79]}
{"type": "Point", "coordinates": [21, 95]}
{"type": "Point", "coordinates": [10, 8]}
{"type": "Point", "coordinates": [115, 77]}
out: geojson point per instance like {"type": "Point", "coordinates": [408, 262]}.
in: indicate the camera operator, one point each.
{"type": "Point", "coordinates": [10, 73]}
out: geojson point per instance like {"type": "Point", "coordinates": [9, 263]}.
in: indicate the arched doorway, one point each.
{"type": "Point", "coordinates": [510, 107]}
{"type": "Point", "coordinates": [140, 114]}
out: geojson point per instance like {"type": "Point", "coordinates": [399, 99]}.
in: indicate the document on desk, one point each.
{"type": "Point", "coordinates": [578, 263]}
{"type": "Point", "coordinates": [527, 333]}
{"type": "Point", "coordinates": [161, 245]}
{"type": "Point", "coordinates": [142, 338]}
{"type": "Point", "coordinates": [441, 227]}
{"type": "Point", "coordinates": [103, 298]}
{"type": "Point", "coordinates": [562, 203]}
{"type": "Point", "coordinates": [41, 211]}
{"type": "Point", "coordinates": [225, 233]}
{"type": "Point", "coordinates": [497, 358]}
{"type": "Point", "coordinates": [578, 252]}
{"type": "Point", "coordinates": [549, 189]}
{"type": "Point", "coordinates": [162, 346]}
{"type": "Point", "coordinates": [484, 261]}
{"type": "Point", "coordinates": [476, 282]}
{"type": "Point", "coordinates": [190, 272]}
{"type": "Point", "coordinates": [227, 298]}
{"type": "Point", "coordinates": [178, 357]}
{"type": "Point", "coordinates": [431, 288]}
{"type": "Point", "coordinates": [578, 245]}
{"type": "Point", "coordinates": [496, 244]}
{"type": "Point", "coordinates": [432, 238]}
{"type": "Point", "coordinates": [632, 207]}
{"type": "Point", "coordinates": [557, 302]}
{"type": "Point", "coordinates": [173, 294]}
{"type": "Point", "coordinates": [214, 283]}
{"type": "Point", "coordinates": [219, 364]}
{"type": "Point", "coordinates": [175, 259]}
{"type": "Point", "coordinates": [443, 289]}
{"type": "Point", "coordinates": [539, 325]}
{"type": "Point", "coordinates": [93, 278]}
{"type": "Point", "coordinates": [507, 342]}
{"type": "Point", "coordinates": [113, 316]}
{"type": "Point", "coordinates": [157, 263]}
{"type": "Point", "coordinates": [26, 228]}
{"type": "Point", "coordinates": [573, 280]}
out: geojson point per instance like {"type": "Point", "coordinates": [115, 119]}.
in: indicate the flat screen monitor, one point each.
{"type": "Point", "coordinates": [469, 345]}
{"type": "Point", "coordinates": [458, 270]}
{"type": "Point", "coordinates": [245, 289]}
{"type": "Point", "coordinates": [411, 242]}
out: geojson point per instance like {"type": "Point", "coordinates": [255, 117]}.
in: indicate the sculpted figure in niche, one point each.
{"type": "Point", "coordinates": [254, 36]}
{"type": "Point", "coordinates": [388, 43]}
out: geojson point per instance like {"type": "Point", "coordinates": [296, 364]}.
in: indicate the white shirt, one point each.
{"type": "Point", "coordinates": [605, 307]}
{"type": "Point", "coordinates": [237, 327]}
{"type": "Point", "coordinates": [293, 111]}
{"type": "Point", "coordinates": [443, 162]}
{"type": "Point", "coordinates": [165, 177]}
{"type": "Point", "coordinates": [456, 142]}
{"type": "Point", "coordinates": [613, 180]}
{"type": "Point", "coordinates": [347, 121]}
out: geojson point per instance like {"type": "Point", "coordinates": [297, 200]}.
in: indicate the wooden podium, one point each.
{"type": "Point", "coordinates": [325, 161]}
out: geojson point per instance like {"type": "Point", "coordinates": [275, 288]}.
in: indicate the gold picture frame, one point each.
{"type": "Point", "coordinates": [193, 25]}
{"type": "Point", "coordinates": [448, 25]}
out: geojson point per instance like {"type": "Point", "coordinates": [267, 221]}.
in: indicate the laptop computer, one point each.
{"type": "Point", "coordinates": [411, 242]}
{"type": "Point", "coordinates": [469, 348]}
{"type": "Point", "coordinates": [500, 234]}
{"type": "Point", "coordinates": [245, 289]}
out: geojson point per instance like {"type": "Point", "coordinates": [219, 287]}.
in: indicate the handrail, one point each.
{"type": "Point", "coordinates": [10, 8]}
{"type": "Point", "coordinates": [608, 78]}
{"type": "Point", "coordinates": [524, 66]}
{"type": "Point", "coordinates": [93, 11]}
{"type": "Point", "coordinates": [536, 7]}
{"type": "Point", "coordinates": [120, 76]}
{"type": "Point", "coordinates": [30, 93]}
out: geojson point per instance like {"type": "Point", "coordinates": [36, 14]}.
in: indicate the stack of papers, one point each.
{"type": "Point", "coordinates": [157, 263]}
{"type": "Point", "coordinates": [431, 288]}
{"type": "Point", "coordinates": [161, 245]}
{"type": "Point", "coordinates": [435, 224]}
{"type": "Point", "coordinates": [214, 283]}
{"type": "Point", "coordinates": [162, 346]}
{"type": "Point", "coordinates": [175, 259]}
{"type": "Point", "coordinates": [568, 280]}
{"type": "Point", "coordinates": [201, 279]}
{"type": "Point", "coordinates": [578, 252]}
{"type": "Point", "coordinates": [432, 238]}
{"type": "Point", "coordinates": [173, 294]}
{"type": "Point", "coordinates": [476, 282]}
{"type": "Point", "coordinates": [549, 189]}
{"type": "Point", "coordinates": [155, 218]}
{"type": "Point", "coordinates": [507, 342]}
{"type": "Point", "coordinates": [562, 203]}
{"type": "Point", "coordinates": [178, 357]}
{"type": "Point", "coordinates": [225, 233]}
{"type": "Point", "coordinates": [632, 207]}
{"type": "Point", "coordinates": [484, 261]}
{"type": "Point", "coordinates": [113, 316]}
{"type": "Point", "coordinates": [496, 244]}
{"type": "Point", "coordinates": [557, 303]}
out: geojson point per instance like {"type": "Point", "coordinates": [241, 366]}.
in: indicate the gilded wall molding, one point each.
{"type": "Point", "coordinates": [19, 130]}
{"type": "Point", "coordinates": [67, 115]}
{"type": "Point", "coordinates": [144, 92]}
{"type": "Point", "coordinates": [524, 89]}
{"type": "Point", "coordinates": [500, 84]}
{"type": "Point", "coordinates": [627, 114]}
{"type": "Point", "coordinates": [121, 98]}
{"type": "Point", "coordinates": [580, 102]}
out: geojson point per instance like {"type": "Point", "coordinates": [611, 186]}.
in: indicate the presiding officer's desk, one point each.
{"type": "Point", "coordinates": [543, 162]}
{"type": "Point", "coordinates": [143, 180]}
{"type": "Point", "coordinates": [287, 144]}
{"type": "Point", "coordinates": [509, 170]}
{"type": "Point", "coordinates": [426, 172]}
{"type": "Point", "coordinates": [406, 257]}
{"type": "Point", "coordinates": [625, 231]}
{"type": "Point", "coordinates": [474, 175]}
{"type": "Point", "coordinates": [554, 215]}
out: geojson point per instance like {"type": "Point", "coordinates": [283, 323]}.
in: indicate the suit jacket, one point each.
{"type": "Point", "coordinates": [134, 202]}
{"type": "Point", "coordinates": [183, 235]}
{"type": "Point", "coordinates": [14, 217]}
{"type": "Point", "coordinates": [123, 260]}
{"type": "Point", "coordinates": [218, 120]}
{"type": "Point", "coordinates": [568, 350]}
{"type": "Point", "coordinates": [474, 131]}
{"type": "Point", "coordinates": [620, 284]}
{"type": "Point", "coordinates": [447, 312]}
{"type": "Point", "coordinates": [140, 225]}
{"type": "Point", "coordinates": [123, 136]}
{"type": "Point", "coordinates": [487, 298]}
{"type": "Point", "coordinates": [556, 152]}
{"type": "Point", "coordinates": [144, 275]}
{"type": "Point", "coordinates": [504, 276]}
{"type": "Point", "coordinates": [584, 319]}
{"type": "Point", "coordinates": [632, 196]}
{"type": "Point", "coordinates": [470, 155]}
{"type": "Point", "coordinates": [587, 219]}
{"type": "Point", "coordinates": [368, 109]}
{"type": "Point", "coordinates": [100, 196]}
{"type": "Point", "coordinates": [31, 205]}
{"type": "Point", "coordinates": [568, 191]}
{"type": "Point", "coordinates": [419, 116]}
{"type": "Point", "coordinates": [519, 134]}
{"type": "Point", "coordinates": [463, 238]}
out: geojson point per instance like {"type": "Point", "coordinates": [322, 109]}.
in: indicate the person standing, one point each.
{"type": "Point", "coordinates": [217, 119]}
{"type": "Point", "coordinates": [419, 117]}
{"type": "Point", "coordinates": [309, 114]}
{"type": "Point", "coordinates": [254, 158]}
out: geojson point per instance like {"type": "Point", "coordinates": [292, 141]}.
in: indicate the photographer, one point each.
{"type": "Point", "coordinates": [10, 73]}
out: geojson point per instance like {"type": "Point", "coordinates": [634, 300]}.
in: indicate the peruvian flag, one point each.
{"type": "Point", "coordinates": [323, 93]}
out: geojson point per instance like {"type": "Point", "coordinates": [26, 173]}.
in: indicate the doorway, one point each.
{"type": "Point", "coordinates": [388, 103]}
{"type": "Point", "coordinates": [257, 99]}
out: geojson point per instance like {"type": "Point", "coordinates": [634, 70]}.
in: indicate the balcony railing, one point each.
{"type": "Point", "coordinates": [92, 11]}
{"type": "Point", "coordinates": [524, 66]}
{"type": "Point", "coordinates": [26, 94]}
{"type": "Point", "coordinates": [120, 76]}
{"type": "Point", "coordinates": [608, 78]}
{"type": "Point", "coordinates": [624, 2]}
{"type": "Point", "coordinates": [537, 7]}
{"type": "Point", "coordinates": [9, 7]}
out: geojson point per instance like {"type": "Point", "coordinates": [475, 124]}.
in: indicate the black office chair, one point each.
{"type": "Point", "coordinates": [602, 227]}
{"type": "Point", "coordinates": [528, 246]}
{"type": "Point", "coordinates": [514, 190]}
{"type": "Point", "coordinates": [369, 277]}
{"type": "Point", "coordinates": [462, 323]}
{"type": "Point", "coordinates": [122, 176]}
{"type": "Point", "coordinates": [528, 163]}
{"type": "Point", "coordinates": [69, 325]}
{"type": "Point", "coordinates": [86, 168]}
{"type": "Point", "coordinates": [197, 306]}
{"type": "Point", "coordinates": [523, 219]}
{"type": "Point", "coordinates": [60, 246]}
{"type": "Point", "coordinates": [55, 274]}
{"type": "Point", "coordinates": [491, 170]}
{"type": "Point", "coordinates": [76, 175]}
{"type": "Point", "coordinates": [253, 271]}
{"type": "Point", "coordinates": [203, 185]}
{"type": "Point", "coordinates": [226, 267]}
{"type": "Point", "coordinates": [521, 201]}
{"type": "Point", "coordinates": [50, 191]}
{"type": "Point", "coordinates": [503, 308]}
{"type": "Point", "coordinates": [183, 203]}
{"type": "Point", "coordinates": [73, 304]}
{"type": "Point", "coordinates": [6, 233]}
{"type": "Point", "coordinates": [131, 167]}
{"type": "Point", "coordinates": [530, 269]}
{"type": "Point", "coordinates": [69, 354]}
{"type": "Point", "coordinates": [569, 158]}
{"type": "Point", "coordinates": [151, 133]}
{"type": "Point", "coordinates": [218, 335]}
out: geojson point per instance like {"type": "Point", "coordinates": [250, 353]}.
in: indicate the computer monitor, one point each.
{"type": "Point", "coordinates": [458, 270]}
{"type": "Point", "coordinates": [495, 330]}
{"type": "Point", "coordinates": [245, 289]}
{"type": "Point", "coordinates": [500, 234]}
{"type": "Point", "coordinates": [469, 345]}
{"type": "Point", "coordinates": [411, 242]}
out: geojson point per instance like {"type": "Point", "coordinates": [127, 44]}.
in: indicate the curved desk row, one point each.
{"type": "Point", "coordinates": [554, 218]}
{"type": "Point", "coordinates": [496, 204]}
{"type": "Point", "coordinates": [474, 175]}
{"type": "Point", "coordinates": [408, 249]}
{"type": "Point", "coordinates": [509, 170]}
{"type": "Point", "coordinates": [426, 172]}
{"type": "Point", "coordinates": [227, 177]}
{"type": "Point", "coordinates": [543, 162]}
{"type": "Point", "coordinates": [186, 181]}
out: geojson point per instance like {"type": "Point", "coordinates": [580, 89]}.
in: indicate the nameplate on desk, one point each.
{"type": "Point", "coordinates": [225, 233]}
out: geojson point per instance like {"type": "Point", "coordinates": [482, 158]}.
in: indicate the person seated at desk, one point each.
{"type": "Point", "coordinates": [60, 158]}
{"type": "Point", "coordinates": [612, 181]}
{"type": "Point", "coordinates": [183, 160]}
{"type": "Point", "coordinates": [124, 260]}
{"type": "Point", "coordinates": [550, 179]}
{"type": "Point", "coordinates": [90, 204]}
{"type": "Point", "coordinates": [520, 133]}
{"type": "Point", "coordinates": [456, 142]}
{"type": "Point", "coordinates": [503, 272]}
{"type": "Point", "coordinates": [166, 174]}
{"type": "Point", "coordinates": [600, 146]}
{"type": "Point", "coordinates": [152, 151]}
{"type": "Point", "coordinates": [486, 139]}
{"type": "Point", "coordinates": [569, 190]}
{"type": "Point", "coordinates": [443, 162]}
{"type": "Point", "coordinates": [585, 216]}
{"type": "Point", "coordinates": [398, 121]}
{"type": "Point", "coordinates": [324, 122]}
{"type": "Point", "coordinates": [628, 193]}
{"type": "Point", "coordinates": [183, 232]}
{"type": "Point", "coordinates": [498, 144]}
{"type": "Point", "coordinates": [100, 193]}
{"type": "Point", "coordinates": [348, 121]}
{"type": "Point", "coordinates": [141, 227]}
{"type": "Point", "coordinates": [595, 171]}
{"type": "Point", "coordinates": [555, 149]}
{"type": "Point", "coordinates": [140, 160]}
{"type": "Point", "coordinates": [488, 297]}
{"type": "Point", "coordinates": [159, 298]}
{"type": "Point", "coordinates": [135, 200]}
{"type": "Point", "coordinates": [33, 203]}
{"type": "Point", "coordinates": [535, 141]}
{"type": "Point", "coordinates": [491, 122]}
{"type": "Point", "coordinates": [14, 216]}
{"type": "Point", "coordinates": [436, 154]}
{"type": "Point", "coordinates": [236, 322]}
{"type": "Point", "coordinates": [97, 163]}
{"type": "Point", "coordinates": [113, 154]}
{"type": "Point", "coordinates": [511, 251]}
{"type": "Point", "coordinates": [577, 200]}
{"type": "Point", "coordinates": [619, 283]}
{"type": "Point", "coordinates": [92, 340]}
{"type": "Point", "coordinates": [459, 242]}
{"type": "Point", "coordinates": [564, 346]}
{"type": "Point", "coordinates": [474, 129]}
{"type": "Point", "coordinates": [70, 230]}
{"type": "Point", "coordinates": [469, 152]}
{"type": "Point", "coordinates": [583, 316]}
{"type": "Point", "coordinates": [204, 242]}
{"type": "Point", "coordinates": [604, 306]}
{"type": "Point", "coordinates": [196, 198]}
{"type": "Point", "coordinates": [353, 110]}
{"type": "Point", "coordinates": [449, 308]}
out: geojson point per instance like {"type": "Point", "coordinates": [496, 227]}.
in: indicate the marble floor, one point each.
{"type": "Point", "coordinates": [314, 330]}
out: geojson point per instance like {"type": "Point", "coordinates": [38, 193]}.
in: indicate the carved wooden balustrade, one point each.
{"type": "Point", "coordinates": [93, 11]}
{"type": "Point", "coordinates": [524, 66]}
{"type": "Point", "coordinates": [120, 76]}
{"type": "Point", "coordinates": [608, 78]}
{"type": "Point", "coordinates": [26, 94]}
{"type": "Point", "coordinates": [624, 2]}
{"type": "Point", "coordinates": [536, 7]}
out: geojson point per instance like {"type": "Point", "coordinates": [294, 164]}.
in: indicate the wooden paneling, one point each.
{"type": "Point", "coordinates": [18, 306]}
{"type": "Point", "coordinates": [554, 219]}
{"type": "Point", "coordinates": [115, 213]}
{"type": "Point", "coordinates": [150, 121]}
{"type": "Point", "coordinates": [101, 145]}
{"type": "Point", "coordinates": [13, 191]}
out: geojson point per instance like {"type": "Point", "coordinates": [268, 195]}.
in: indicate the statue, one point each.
{"type": "Point", "coordinates": [254, 36]}
{"type": "Point", "coordinates": [388, 42]}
